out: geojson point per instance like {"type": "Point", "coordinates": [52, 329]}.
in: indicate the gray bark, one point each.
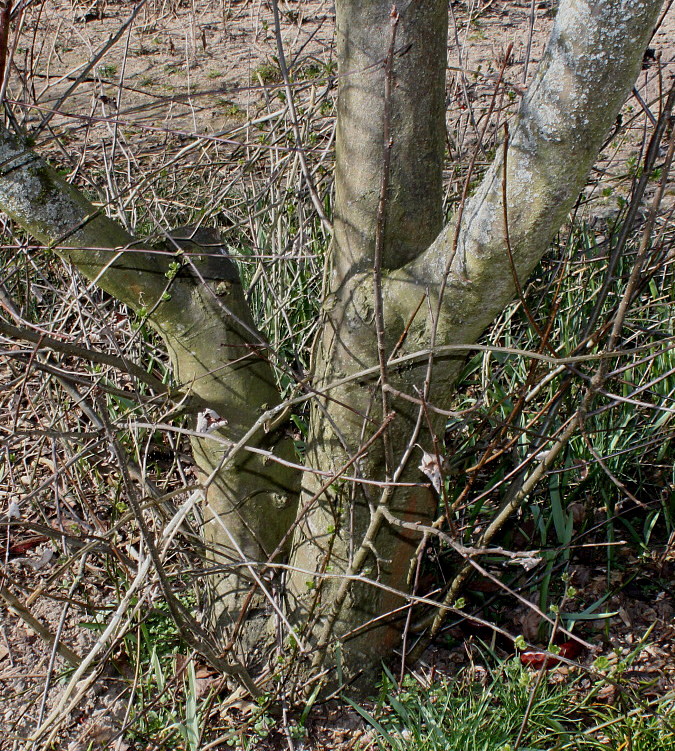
{"type": "Point", "coordinates": [591, 61]}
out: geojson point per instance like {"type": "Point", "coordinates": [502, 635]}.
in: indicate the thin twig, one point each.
{"type": "Point", "coordinates": [380, 234]}
{"type": "Point", "coordinates": [309, 180]}
{"type": "Point", "coordinates": [19, 609]}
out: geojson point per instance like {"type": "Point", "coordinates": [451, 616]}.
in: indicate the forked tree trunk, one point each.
{"type": "Point", "coordinates": [400, 287]}
{"type": "Point", "coordinates": [431, 297]}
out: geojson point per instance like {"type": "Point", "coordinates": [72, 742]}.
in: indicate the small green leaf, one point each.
{"type": "Point", "coordinates": [601, 663]}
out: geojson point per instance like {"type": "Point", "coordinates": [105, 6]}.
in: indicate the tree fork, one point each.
{"type": "Point", "coordinates": [591, 61]}
{"type": "Point", "coordinates": [590, 64]}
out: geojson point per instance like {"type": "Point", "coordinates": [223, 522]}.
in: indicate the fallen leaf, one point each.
{"type": "Point", "coordinates": [208, 421]}
{"type": "Point", "coordinates": [530, 623]}
{"type": "Point", "coordinates": [43, 560]}
{"type": "Point", "coordinates": [570, 649]}
{"type": "Point", "coordinates": [32, 542]}
{"type": "Point", "coordinates": [538, 660]}
{"type": "Point", "coordinates": [607, 694]}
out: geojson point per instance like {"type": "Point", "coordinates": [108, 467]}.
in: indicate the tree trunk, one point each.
{"type": "Point", "coordinates": [432, 299]}
{"type": "Point", "coordinates": [389, 158]}
{"type": "Point", "coordinates": [193, 298]}
{"type": "Point", "coordinates": [404, 296]}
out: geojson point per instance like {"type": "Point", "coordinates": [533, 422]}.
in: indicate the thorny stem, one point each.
{"type": "Point", "coordinates": [507, 239]}
{"type": "Point", "coordinates": [18, 608]}
{"type": "Point", "coordinates": [493, 528]}
{"type": "Point", "coordinates": [646, 235]}
{"type": "Point", "coordinates": [86, 70]}
{"type": "Point", "coordinates": [469, 554]}
{"type": "Point", "coordinates": [5, 16]}
{"type": "Point", "coordinates": [636, 203]}
{"type": "Point", "coordinates": [357, 562]}
{"type": "Point", "coordinates": [469, 175]}
{"type": "Point", "coordinates": [120, 362]}
{"type": "Point", "coordinates": [518, 495]}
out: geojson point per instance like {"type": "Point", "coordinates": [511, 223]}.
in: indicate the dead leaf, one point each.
{"type": "Point", "coordinates": [530, 623]}
{"type": "Point", "coordinates": [607, 694]}
{"type": "Point", "coordinates": [538, 660]}
{"type": "Point", "coordinates": [431, 468]}
{"type": "Point", "coordinates": [43, 560]}
{"type": "Point", "coordinates": [625, 617]}
{"type": "Point", "coordinates": [206, 683]}
{"type": "Point", "coordinates": [208, 421]}
{"type": "Point", "coordinates": [180, 663]}
{"type": "Point", "coordinates": [528, 562]}
{"type": "Point", "coordinates": [20, 548]}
